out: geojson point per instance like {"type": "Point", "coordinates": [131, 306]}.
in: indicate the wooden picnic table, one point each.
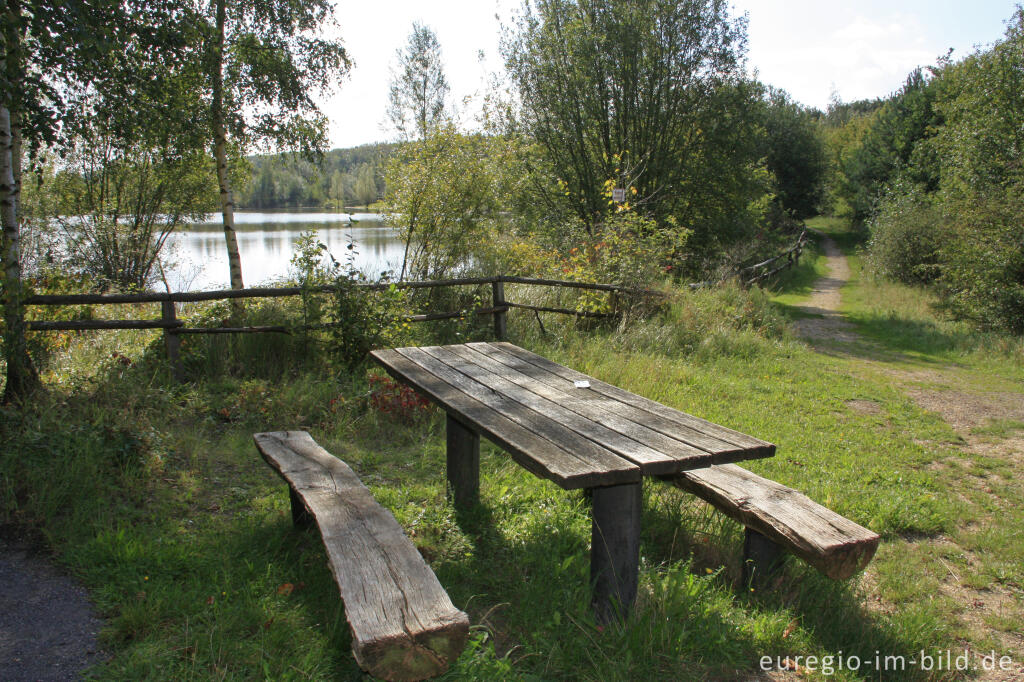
{"type": "Point", "coordinates": [569, 428]}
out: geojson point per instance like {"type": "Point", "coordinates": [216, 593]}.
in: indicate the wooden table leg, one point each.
{"type": "Point", "coordinates": [463, 464]}
{"type": "Point", "coordinates": [615, 550]}
{"type": "Point", "coordinates": [762, 559]}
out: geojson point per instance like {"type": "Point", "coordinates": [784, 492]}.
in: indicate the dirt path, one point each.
{"type": "Point", "coordinates": [969, 411]}
{"type": "Point", "coordinates": [825, 300]}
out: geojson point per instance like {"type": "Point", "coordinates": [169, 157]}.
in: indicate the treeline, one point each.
{"type": "Point", "coordinates": [338, 178]}
{"type": "Point", "coordinates": [935, 174]}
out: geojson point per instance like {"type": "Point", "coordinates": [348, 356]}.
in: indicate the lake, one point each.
{"type": "Point", "coordinates": [266, 243]}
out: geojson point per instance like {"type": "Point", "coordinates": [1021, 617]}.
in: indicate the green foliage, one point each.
{"type": "Point", "coordinates": [982, 102]}
{"type": "Point", "coordinates": [894, 143]}
{"type": "Point", "coordinates": [419, 90]}
{"type": "Point", "coordinates": [628, 250]}
{"type": "Point", "coordinates": [118, 201]}
{"type": "Point", "coordinates": [726, 321]}
{"type": "Point", "coordinates": [152, 494]}
{"type": "Point", "coordinates": [843, 129]}
{"type": "Point", "coordinates": [352, 320]}
{"type": "Point", "coordinates": [289, 180]}
{"type": "Point", "coordinates": [444, 195]}
{"type": "Point", "coordinates": [982, 256]}
{"type": "Point", "coordinates": [795, 155]}
{"type": "Point", "coordinates": [956, 224]}
{"type": "Point", "coordinates": [365, 188]}
{"type": "Point", "coordinates": [629, 91]}
{"type": "Point", "coordinates": [906, 235]}
{"type": "Point", "coordinates": [272, 62]}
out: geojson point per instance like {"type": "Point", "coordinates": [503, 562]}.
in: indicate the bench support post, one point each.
{"type": "Point", "coordinates": [762, 559]}
{"type": "Point", "coordinates": [463, 464]}
{"type": "Point", "coordinates": [301, 517]}
{"type": "Point", "coordinates": [615, 550]}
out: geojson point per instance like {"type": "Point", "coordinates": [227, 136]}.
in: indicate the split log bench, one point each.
{"type": "Point", "coordinates": [404, 626]}
{"type": "Point", "coordinates": [777, 519]}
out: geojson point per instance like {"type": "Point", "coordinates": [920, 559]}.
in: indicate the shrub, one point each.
{"type": "Point", "coordinates": [351, 320]}
{"type": "Point", "coordinates": [982, 277]}
{"type": "Point", "coordinates": [906, 233]}
{"type": "Point", "coordinates": [628, 250]}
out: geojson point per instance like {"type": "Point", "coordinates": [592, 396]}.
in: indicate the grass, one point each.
{"type": "Point", "coordinates": [154, 496]}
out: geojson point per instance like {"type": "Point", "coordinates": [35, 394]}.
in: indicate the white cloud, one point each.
{"type": "Point", "coordinates": [864, 50]}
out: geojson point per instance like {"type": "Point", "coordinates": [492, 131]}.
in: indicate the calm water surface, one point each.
{"type": "Point", "coordinates": [266, 242]}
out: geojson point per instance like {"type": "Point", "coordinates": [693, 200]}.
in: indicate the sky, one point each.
{"type": "Point", "coordinates": [813, 49]}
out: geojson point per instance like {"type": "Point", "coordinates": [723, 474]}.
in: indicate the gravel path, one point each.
{"type": "Point", "coordinates": [47, 625]}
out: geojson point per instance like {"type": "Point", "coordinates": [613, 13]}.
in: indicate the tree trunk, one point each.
{"type": "Point", "coordinates": [220, 151]}
{"type": "Point", "coordinates": [21, 375]}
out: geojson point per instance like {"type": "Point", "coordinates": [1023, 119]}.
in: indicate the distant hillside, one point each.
{"type": "Point", "coordinates": [342, 177]}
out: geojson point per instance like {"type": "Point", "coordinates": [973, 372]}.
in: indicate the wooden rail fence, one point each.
{"type": "Point", "coordinates": [749, 274]}
{"type": "Point", "coordinates": [173, 328]}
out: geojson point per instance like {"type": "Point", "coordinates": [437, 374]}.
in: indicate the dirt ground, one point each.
{"type": "Point", "coordinates": [825, 299]}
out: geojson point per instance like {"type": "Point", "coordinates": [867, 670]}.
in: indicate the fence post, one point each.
{"type": "Point", "coordinates": [498, 301]}
{"type": "Point", "coordinates": [172, 341]}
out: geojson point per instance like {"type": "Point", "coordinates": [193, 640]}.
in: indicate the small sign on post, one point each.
{"type": "Point", "coordinates": [619, 195]}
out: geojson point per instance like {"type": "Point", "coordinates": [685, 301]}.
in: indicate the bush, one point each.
{"type": "Point", "coordinates": [982, 276]}
{"type": "Point", "coordinates": [906, 234]}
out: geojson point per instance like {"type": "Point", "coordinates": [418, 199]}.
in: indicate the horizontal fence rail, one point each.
{"type": "Point", "coordinates": [276, 292]}
{"type": "Point", "coordinates": [173, 328]}
{"type": "Point", "coordinates": [746, 275]}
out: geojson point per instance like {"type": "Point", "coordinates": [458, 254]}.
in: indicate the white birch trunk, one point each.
{"type": "Point", "coordinates": [21, 376]}
{"type": "Point", "coordinates": [227, 202]}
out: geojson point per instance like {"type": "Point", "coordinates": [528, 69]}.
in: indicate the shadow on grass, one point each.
{"type": "Point", "coordinates": [197, 592]}
{"type": "Point", "coordinates": [531, 589]}
{"type": "Point", "coordinates": [834, 616]}
{"type": "Point", "coordinates": [922, 337]}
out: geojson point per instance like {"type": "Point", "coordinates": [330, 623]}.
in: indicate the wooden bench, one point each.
{"type": "Point", "coordinates": [404, 626]}
{"type": "Point", "coordinates": [778, 518]}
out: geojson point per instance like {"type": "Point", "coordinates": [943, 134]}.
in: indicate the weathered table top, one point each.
{"type": "Point", "coordinates": [560, 424]}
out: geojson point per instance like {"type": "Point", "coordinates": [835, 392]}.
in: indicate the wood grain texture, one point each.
{"type": "Point", "coordinates": [674, 429]}
{"type": "Point", "coordinates": [543, 447]}
{"type": "Point", "coordinates": [689, 447]}
{"type": "Point", "coordinates": [462, 464]}
{"type": "Point", "coordinates": [831, 543]}
{"type": "Point", "coordinates": [404, 626]}
{"type": "Point", "coordinates": [750, 447]}
{"type": "Point", "coordinates": [615, 550]}
{"type": "Point", "coordinates": [540, 409]}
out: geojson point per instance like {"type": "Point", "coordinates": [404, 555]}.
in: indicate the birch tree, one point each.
{"type": "Point", "coordinates": [53, 55]}
{"type": "Point", "coordinates": [44, 48]}
{"type": "Point", "coordinates": [264, 60]}
{"type": "Point", "coordinates": [419, 88]}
